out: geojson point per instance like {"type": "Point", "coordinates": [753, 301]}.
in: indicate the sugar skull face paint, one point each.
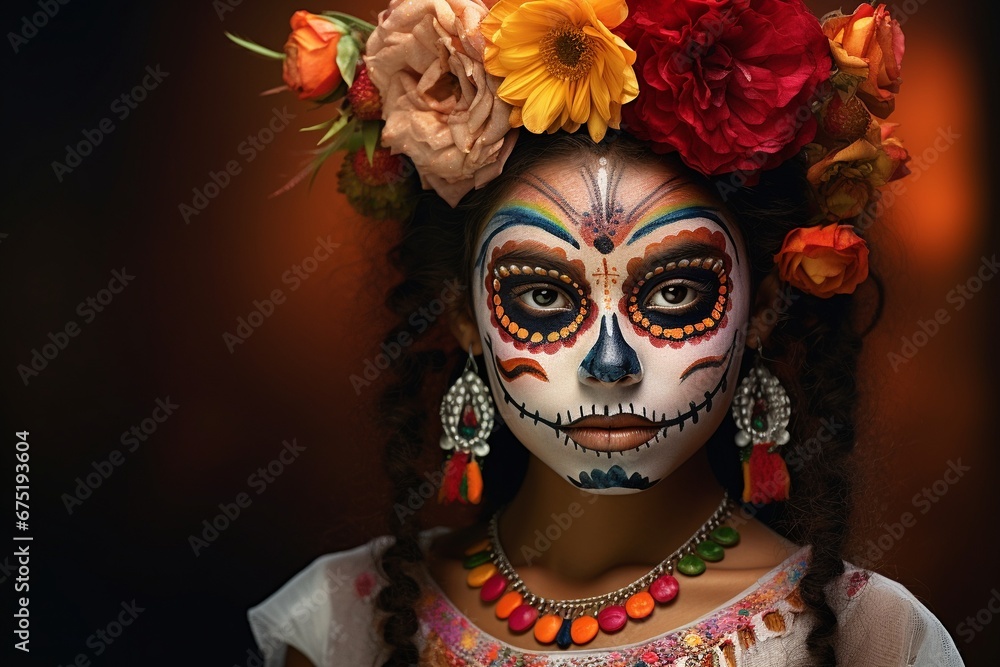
{"type": "Point", "coordinates": [612, 300]}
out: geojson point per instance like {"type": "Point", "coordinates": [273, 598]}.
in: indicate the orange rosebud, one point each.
{"type": "Point", "coordinates": [823, 261]}
{"type": "Point", "coordinates": [869, 43]}
{"type": "Point", "coordinates": [311, 56]}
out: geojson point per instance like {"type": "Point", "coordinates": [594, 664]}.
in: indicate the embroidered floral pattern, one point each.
{"type": "Point", "coordinates": [858, 581]}
{"type": "Point", "coordinates": [363, 584]}
{"type": "Point", "coordinates": [766, 612]}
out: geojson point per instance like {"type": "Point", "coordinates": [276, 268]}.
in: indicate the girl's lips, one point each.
{"type": "Point", "coordinates": [611, 433]}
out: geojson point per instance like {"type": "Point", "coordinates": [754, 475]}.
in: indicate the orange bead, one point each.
{"type": "Point", "coordinates": [510, 601]}
{"type": "Point", "coordinates": [547, 627]}
{"type": "Point", "coordinates": [640, 605]}
{"type": "Point", "coordinates": [478, 575]}
{"type": "Point", "coordinates": [481, 545]}
{"type": "Point", "coordinates": [583, 630]}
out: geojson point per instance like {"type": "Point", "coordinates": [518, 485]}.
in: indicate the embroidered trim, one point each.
{"type": "Point", "coordinates": [718, 640]}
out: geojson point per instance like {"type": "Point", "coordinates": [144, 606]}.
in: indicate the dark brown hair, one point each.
{"type": "Point", "coordinates": [813, 350]}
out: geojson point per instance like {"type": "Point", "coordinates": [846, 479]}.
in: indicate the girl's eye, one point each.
{"type": "Point", "coordinates": [537, 306]}
{"type": "Point", "coordinates": [675, 296]}
{"type": "Point", "coordinates": [543, 299]}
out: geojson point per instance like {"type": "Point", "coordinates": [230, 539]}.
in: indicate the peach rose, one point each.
{"type": "Point", "coordinates": [823, 261]}
{"type": "Point", "coordinates": [439, 104]}
{"type": "Point", "coordinates": [869, 44]}
{"type": "Point", "coordinates": [846, 180]}
{"type": "Point", "coordinates": [310, 67]}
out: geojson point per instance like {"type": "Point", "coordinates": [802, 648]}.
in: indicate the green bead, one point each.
{"type": "Point", "coordinates": [476, 559]}
{"type": "Point", "coordinates": [758, 423]}
{"type": "Point", "coordinates": [691, 565]}
{"type": "Point", "coordinates": [725, 535]}
{"type": "Point", "coordinates": [466, 432]}
{"type": "Point", "coordinates": [710, 551]}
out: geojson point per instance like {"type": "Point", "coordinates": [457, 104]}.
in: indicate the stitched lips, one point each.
{"type": "Point", "coordinates": [611, 434]}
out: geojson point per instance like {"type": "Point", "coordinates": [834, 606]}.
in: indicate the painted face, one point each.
{"type": "Point", "coordinates": [612, 300]}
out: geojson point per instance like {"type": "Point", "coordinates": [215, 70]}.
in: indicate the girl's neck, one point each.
{"type": "Point", "coordinates": [580, 535]}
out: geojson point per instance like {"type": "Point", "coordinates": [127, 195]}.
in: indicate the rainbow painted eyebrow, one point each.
{"type": "Point", "coordinates": [688, 213]}
{"type": "Point", "coordinates": [511, 216]}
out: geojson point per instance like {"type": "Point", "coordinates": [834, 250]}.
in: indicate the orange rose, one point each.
{"type": "Point", "coordinates": [846, 180]}
{"type": "Point", "coordinates": [869, 44]}
{"type": "Point", "coordinates": [311, 56]}
{"type": "Point", "coordinates": [823, 261]}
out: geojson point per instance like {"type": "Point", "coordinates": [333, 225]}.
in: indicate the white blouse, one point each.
{"type": "Point", "coordinates": [327, 613]}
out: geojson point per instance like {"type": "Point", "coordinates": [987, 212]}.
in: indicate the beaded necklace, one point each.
{"type": "Point", "coordinates": [577, 622]}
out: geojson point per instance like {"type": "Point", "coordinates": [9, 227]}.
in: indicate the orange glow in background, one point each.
{"type": "Point", "coordinates": [291, 379]}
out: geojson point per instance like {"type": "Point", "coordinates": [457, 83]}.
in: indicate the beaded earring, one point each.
{"type": "Point", "coordinates": [761, 410]}
{"type": "Point", "coordinates": [467, 416]}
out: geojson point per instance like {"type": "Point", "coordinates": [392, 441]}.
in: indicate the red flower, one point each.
{"type": "Point", "coordinates": [726, 83]}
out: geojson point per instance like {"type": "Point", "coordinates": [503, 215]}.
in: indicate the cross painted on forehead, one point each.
{"type": "Point", "coordinates": [604, 224]}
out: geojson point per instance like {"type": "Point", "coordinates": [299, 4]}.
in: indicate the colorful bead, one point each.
{"type": "Point", "coordinates": [640, 605]}
{"type": "Point", "coordinates": [691, 565]}
{"type": "Point", "coordinates": [469, 423]}
{"type": "Point", "coordinates": [583, 630]}
{"type": "Point", "coordinates": [710, 551]}
{"type": "Point", "coordinates": [612, 619]}
{"type": "Point", "coordinates": [725, 535]}
{"type": "Point", "coordinates": [510, 601]}
{"type": "Point", "coordinates": [547, 628]}
{"type": "Point", "coordinates": [481, 545]}
{"type": "Point", "coordinates": [478, 576]}
{"type": "Point", "coordinates": [475, 560]}
{"type": "Point", "coordinates": [522, 618]}
{"type": "Point", "coordinates": [565, 639]}
{"type": "Point", "coordinates": [493, 588]}
{"type": "Point", "coordinates": [664, 589]}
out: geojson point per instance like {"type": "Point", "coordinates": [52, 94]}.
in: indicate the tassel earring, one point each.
{"type": "Point", "coordinates": [467, 416]}
{"type": "Point", "coordinates": [761, 410]}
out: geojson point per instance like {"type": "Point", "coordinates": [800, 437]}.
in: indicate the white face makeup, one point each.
{"type": "Point", "coordinates": [612, 301]}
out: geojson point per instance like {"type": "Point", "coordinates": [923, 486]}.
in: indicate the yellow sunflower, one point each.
{"type": "Point", "coordinates": [561, 65]}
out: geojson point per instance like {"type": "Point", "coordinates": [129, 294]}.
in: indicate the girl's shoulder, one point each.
{"type": "Point", "coordinates": [881, 622]}
{"type": "Point", "coordinates": [326, 609]}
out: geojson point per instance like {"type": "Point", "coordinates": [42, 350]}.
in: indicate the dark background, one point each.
{"type": "Point", "coordinates": [161, 337]}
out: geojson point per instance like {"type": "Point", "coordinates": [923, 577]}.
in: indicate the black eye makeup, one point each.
{"type": "Point", "coordinates": [680, 299]}
{"type": "Point", "coordinates": [536, 305]}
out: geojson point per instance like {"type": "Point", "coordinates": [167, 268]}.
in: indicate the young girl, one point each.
{"type": "Point", "coordinates": [657, 338]}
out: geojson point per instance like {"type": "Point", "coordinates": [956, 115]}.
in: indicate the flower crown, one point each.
{"type": "Point", "coordinates": [439, 90]}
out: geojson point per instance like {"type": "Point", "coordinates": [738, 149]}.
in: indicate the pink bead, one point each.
{"type": "Point", "coordinates": [493, 588]}
{"type": "Point", "coordinates": [664, 589]}
{"type": "Point", "coordinates": [522, 618]}
{"type": "Point", "coordinates": [612, 619]}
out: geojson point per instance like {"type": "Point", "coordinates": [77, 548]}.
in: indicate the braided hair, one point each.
{"type": "Point", "coordinates": [813, 349]}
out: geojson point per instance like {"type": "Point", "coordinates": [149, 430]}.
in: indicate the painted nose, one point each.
{"type": "Point", "coordinates": [611, 359]}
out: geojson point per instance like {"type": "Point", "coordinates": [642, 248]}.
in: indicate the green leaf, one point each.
{"type": "Point", "coordinates": [348, 52]}
{"type": "Point", "coordinates": [319, 126]}
{"type": "Point", "coordinates": [371, 131]}
{"type": "Point", "coordinates": [353, 21]}
{"type": "Point", "coordinates": [339, 125]}
{"type": "Point", "coordinates": [256, 48]}
{"type": "Point", "coordinates": [342, 26]}
{"type": "Point", "coordinates": [322, 157]}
